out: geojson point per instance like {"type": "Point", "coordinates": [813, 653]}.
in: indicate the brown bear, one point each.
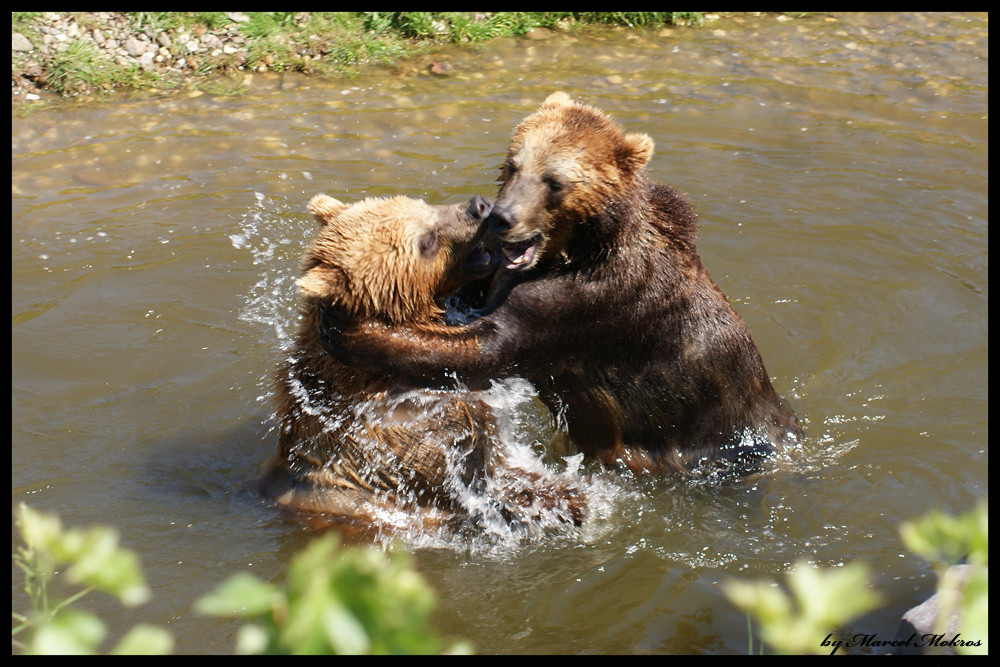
{"type": "Point", "coordinates": [605, 305]}
{"type": "Point", "coordinates": [368, 451]}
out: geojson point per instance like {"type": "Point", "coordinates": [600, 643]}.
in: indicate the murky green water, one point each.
{"type": "Point", "coordinates": [840, 169]}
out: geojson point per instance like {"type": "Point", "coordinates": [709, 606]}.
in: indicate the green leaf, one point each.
{"type": "Point", "coordinates": [764, 599]}
{"type": "Point", "coordinates": [975, 612]}
{"type": "Point", "coordinates": [344, 632]}
{"type": "Point", "coordinates": [144, 640]}
{"type": "Point", "coordinates": [93, 555]}
{"type": "Point", "coordinates": [39, 531]}
{"type": "Point", "coordinates": [101, 563]}
{"type": "Point", "coordinates": [941, 538]}
{"type": "Point", "coordinates": [71, 632]}
{"type": "Point", "coordinates": [253, 639]}
{"type": "Point", "coordinates": [819, 601]}
{"type": "Point", "coordinates": [242, 594]}
{"type": "Point", "coordinates": [833, 596]}
{"type": "Point", "coordinates": [335, 600]}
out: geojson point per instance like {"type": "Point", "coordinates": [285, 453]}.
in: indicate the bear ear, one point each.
{"type": "Point", "coordinates": [635, 151]}
{"type": "Point", "coordinates": [322, 281]}
{"type": "Point", "coordinates": [325, 208]}
{"type": "Point", "coordinates": [556, 100]}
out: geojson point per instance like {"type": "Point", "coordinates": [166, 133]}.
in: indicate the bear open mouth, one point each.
{"type": "Point", "coordinates": [520, 254]}
{"type": "Point", "coordinates": [480, 260]}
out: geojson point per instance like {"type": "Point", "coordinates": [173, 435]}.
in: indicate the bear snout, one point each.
{"type": "Point", "coordinates": [480, 207]}
{"type": "Point", "coordinates": [500, 221]}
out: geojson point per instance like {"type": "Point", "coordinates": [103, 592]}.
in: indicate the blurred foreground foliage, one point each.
{"type": "Point", "coordinates": [360, 600]}
{"type": "Point", "coordinates": [820, 601]}
{"type": "Point", "coordinates": [335, 600]}
{"type": "Point", "coordinates": [93, 560]}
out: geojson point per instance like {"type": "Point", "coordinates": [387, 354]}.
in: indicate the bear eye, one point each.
{"type": "Point", "coordinates": [555, 185]}
{"type": "Point", "coordinates": [428, 244]}
{"type": "Point", "coordinates": [508, 169]}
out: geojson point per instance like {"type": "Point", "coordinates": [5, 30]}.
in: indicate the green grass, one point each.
{"type": "Point", "coordinates": [291, 41]}
{"type": "Point", "coordinates": [81, 68]}
{"type": "Point", "coordinates": [159, 21]}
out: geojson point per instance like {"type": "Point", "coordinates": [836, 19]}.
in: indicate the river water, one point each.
{"type": "Point", "coordinates": [840, 168]}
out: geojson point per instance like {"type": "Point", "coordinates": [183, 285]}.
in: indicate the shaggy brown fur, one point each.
{"type": "Point", "coordinates": [366, 450]}
{"type": "Point", "coordinates": [610, 311]}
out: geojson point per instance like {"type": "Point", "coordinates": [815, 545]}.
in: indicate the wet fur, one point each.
{"type": "Point", "coordinates": [616, 320]}
{"type": "Point", "coordinates": [349, 438]}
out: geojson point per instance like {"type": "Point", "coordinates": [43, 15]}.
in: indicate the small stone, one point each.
{"type": "Point", "coordinates": [163, 39]}
{"type": "Point", "coordinates": [134, 47]}
{"type": "Point", "coordinates": [538, 33]}
{"type": "Point", "coordinates": [32, 70]}
{"type": "Point", "coordinates": [19, 42]}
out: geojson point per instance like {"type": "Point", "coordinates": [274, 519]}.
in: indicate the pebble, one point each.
{"type": "Point", "coordinates": [538, 33]}
{"type": "Point", "coordinates": [170, 53]}
{"type": "Point", "coordinates": [19, 42]}
{"type": "Point", "coordinates": [134, 47]}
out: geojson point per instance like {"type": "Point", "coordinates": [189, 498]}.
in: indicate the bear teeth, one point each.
{"type": "Point", "coordinates": [521, 254]}
{"type": "Point", "coordinates": [480, 258]}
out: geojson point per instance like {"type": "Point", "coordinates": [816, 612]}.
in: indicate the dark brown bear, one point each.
{"type": "Point", "coordinates": [608, 308]}
{"type": "Point", "coordinates": [369, 451]}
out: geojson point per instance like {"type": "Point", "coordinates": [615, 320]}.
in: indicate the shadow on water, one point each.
{"type": "Point", "coordinates": [218, 470]}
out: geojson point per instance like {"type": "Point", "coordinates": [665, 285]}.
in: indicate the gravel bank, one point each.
{"type": "Point", "coordinates": [85, 54]}
{"type": "Point", "coordinates": [55, 43]}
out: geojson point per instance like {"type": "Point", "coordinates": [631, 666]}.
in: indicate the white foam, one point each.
{"type": "Point", "coordinates": [274, 236]}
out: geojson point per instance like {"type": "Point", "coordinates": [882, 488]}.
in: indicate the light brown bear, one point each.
{"type": "Point", "coordinates": [369, 451]}
{"type": "Point", "coordinates": [607, 308]}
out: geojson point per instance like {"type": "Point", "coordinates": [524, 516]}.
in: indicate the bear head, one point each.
{"type": "Point", "coordinates": [393, 258]}
{"type": "Point", "coordinates": [567, 162]}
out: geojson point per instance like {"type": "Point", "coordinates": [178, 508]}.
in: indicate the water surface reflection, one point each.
{"type": "Point", "coordinates": [840, 169]}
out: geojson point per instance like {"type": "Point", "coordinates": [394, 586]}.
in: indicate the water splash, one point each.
{"type": "Point", "coordinates": [274, 233]}
{"type": "Point", "coordinates": [529, 439]}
